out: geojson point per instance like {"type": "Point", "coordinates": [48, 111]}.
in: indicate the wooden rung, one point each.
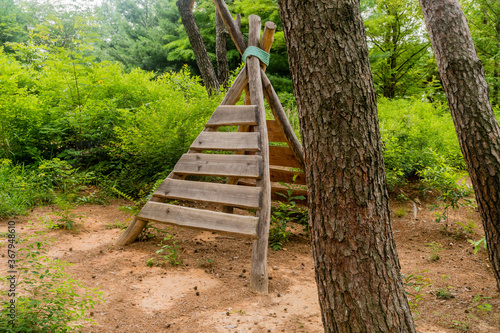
{"type": "Point", "coordinates": [198, 218]}
{"type": "Point", "coordinates": [287, 176]}
{"type": "Point", "coordinates": [228, 195]}
{"type": "Point", "coordinates": [241, 166]}
{"type": "Point", "coordinates": [234, 115]}
{"type": "Point", "coordinates": [274, 132]}
{"type": "Point", "coordinates": [283, 156]}
{"type": "Point", "coordinates": [236, 141]}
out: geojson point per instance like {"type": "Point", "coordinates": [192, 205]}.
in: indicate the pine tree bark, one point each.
{"type": "Point", "coordinates": [221, 50]}
{"type": "Point", "coordinates": [464, 83]}
{"type": "Point", "coordinates": [200, 52]}
{"type": "Point", "coordinates": [356, 264]}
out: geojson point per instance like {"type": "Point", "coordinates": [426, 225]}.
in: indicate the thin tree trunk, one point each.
{"type": "Point", "coordinates": [221, 50]}
{"type": "Point", "coordinates": [357, 268]}
{"type": "Point", "coordinates": [199, 49]}
{"type": "Point", "coordinates": [464, 83]}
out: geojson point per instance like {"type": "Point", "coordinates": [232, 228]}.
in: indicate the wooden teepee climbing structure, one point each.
{"type": "Point", "coordinates": [250, 168]}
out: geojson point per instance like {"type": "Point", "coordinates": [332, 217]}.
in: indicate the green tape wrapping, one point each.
{"type": "Point", "coordinates": [256, 52]}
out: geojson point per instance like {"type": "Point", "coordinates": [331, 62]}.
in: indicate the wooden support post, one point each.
{"type": "Point", "coordinates": [233, 30]}
{"type": "Point", "coordinates": [267, 39]}
{"type": "Point", "coordinates": [281, 118]}
{"type": "Point", "coordinates": [133, 230]}
{"type": "Point", "coordinates": [258, 272]}
{"type": "Point", "coordinates": [234, 93]}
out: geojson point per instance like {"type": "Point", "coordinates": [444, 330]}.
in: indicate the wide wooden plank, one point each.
{"type": "Point", "coordinates": [287, 176]}
{"type": "Point", "coordinates": [247, 166]}
{"type": "Point", "coordinates": [198, 218]}
{"type": "Point", "coordinates": [227, 141]}
{"type": "Point", "coordinates": [230, 195]}
{"type": "Point", "coordinates": [283, 156]}
{"type": "Point", "coordinates": [234, 115]}
{"type": "Point", "coordinates": [274, 132]}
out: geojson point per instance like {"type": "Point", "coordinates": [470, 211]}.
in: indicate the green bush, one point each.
{"type": "Point", "coordinates": [409, 128]}
{"type": "Point", "coordinates": [48, 299]}
{"type": "Point", "coordinates": [131, 126]}
{"type": "Point", "coordinates": [445, 180]}
{"type": "Point", "coordinates": [21, 188]}
{"type": "Point", "coordinates": [153, 137]}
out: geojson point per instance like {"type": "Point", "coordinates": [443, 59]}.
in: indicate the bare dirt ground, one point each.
{"type": "Point", "coordinates": [209, 291]}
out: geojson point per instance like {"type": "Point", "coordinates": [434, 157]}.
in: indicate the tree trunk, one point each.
{"type": "Point", "coordinates": [464, 83]}
{"type": "Point", "coordinates": [200, 52]}
{"type": "Point", "coordinates": [221, 50]}
{"type": "Point", "coordinates": [357, 268]}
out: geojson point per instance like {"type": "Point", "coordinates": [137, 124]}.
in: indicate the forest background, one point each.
{"type": "Point", "coordinates": [108, 97]}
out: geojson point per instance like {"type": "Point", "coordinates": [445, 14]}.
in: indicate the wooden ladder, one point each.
{"type": "Point", "coordinates": [242, 157]}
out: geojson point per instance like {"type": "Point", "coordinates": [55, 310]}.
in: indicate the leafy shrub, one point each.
{"type": "Point", "coordinates": [21, 188]}
{"type": "Point", "coordinates": [155, 135]}
{"type": "Point", "coordinates": [409, 128]}
{"type": "Point", "coordinates": [49, 299]}
{"type": "Point", "coordinates": [168, 252]}
{"type": "Point", "coordinates": [445, 179]}
{"type": "Point", "coordinates": [286, 211]}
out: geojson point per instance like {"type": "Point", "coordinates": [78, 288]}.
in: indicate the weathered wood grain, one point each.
{"type": "Point", "coordinates": [267, 39]}
{"type": "Point", "coordinates": [258, 271]}
{"type": "Point", "coordinates": [231, 195]}
{"type": "Point", "coordinates": [274, 132]}
{"type": "Point", "coordinates": [231, 26]}
{"type": "Point", "coordinates": [227, 141]}
{"type": "Point", "coordinates": [234, 115]}
{"type": "Point", "coordinates": [219, 165]}
{"type": "Point", "coordinates": [199, 218]}
{"type": "Point", "coordinates": [283, 156]}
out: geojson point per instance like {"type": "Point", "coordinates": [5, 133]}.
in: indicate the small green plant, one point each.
{"type": "Point", "coordinates": [402, 196]}
{"type": "Point", "coordinates": [94, 198]}
{"type": "Point", "coordinates": [478, 244]}
{"type": "Point", "coordinates": [66, 215]}
{"type": "Point", "coordinates": [460, 325]}
{"type": "Point", "coordinates": [415, 284]}
{"type": "Point", "coordinates": [444, 178]}
{"type": "Point", "coordinates": [278, 234]}
{"type": "Point", "coordinates": [168, 252]}
{"type": "Point", "coordinates": [444, 293]}
{"type": "Point", "coordinates": [151, 232]}
{"type": "Point", "coordinates": [48, 298]}
{"type": "Point", "coordinates": [206, 263]}
{"type": "Point", "coordinates": [480, 304]}
{"type": "Point", "coordinates": [435, 248]}
{"type": "Point", "coordinates": [400, 212]}
{"type": "Point", "coordinates": [115, 225]}
{"type": "Point", "coordinates": [285, 212]}
{"type": "Point", "coordinates": [464, 230]}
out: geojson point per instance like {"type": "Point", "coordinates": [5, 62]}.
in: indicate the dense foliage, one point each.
{"type": "Point", "coordinates": [109, 90]}
{"type": "Point", "coordinates": [97, 116]}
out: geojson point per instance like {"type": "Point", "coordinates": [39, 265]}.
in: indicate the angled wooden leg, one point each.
{"type": "Point", "coordinates": [133, 230]}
